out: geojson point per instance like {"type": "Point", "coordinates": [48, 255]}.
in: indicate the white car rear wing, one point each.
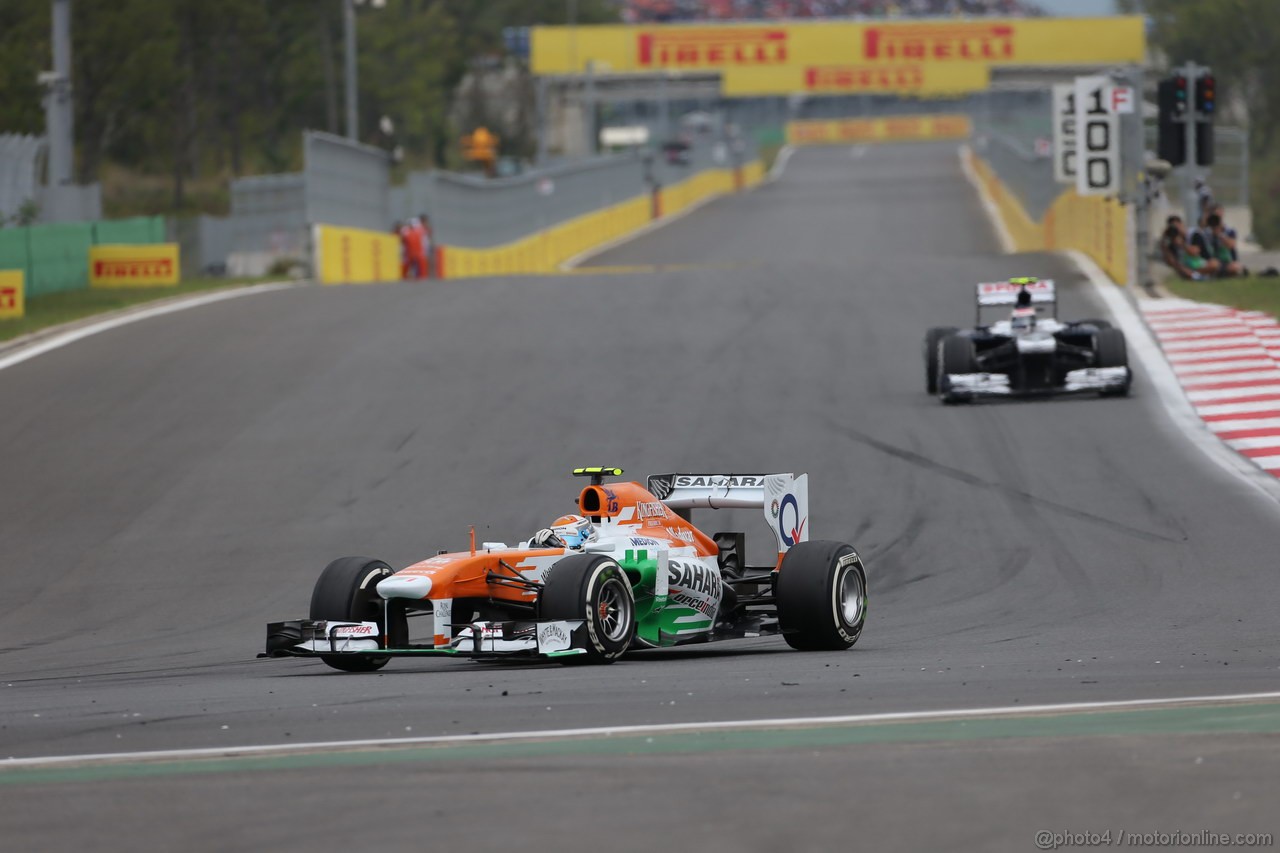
{"type": "Point", "coordinates": [992, 293]}
{"type": "Point", "coordinates": [783, 498]}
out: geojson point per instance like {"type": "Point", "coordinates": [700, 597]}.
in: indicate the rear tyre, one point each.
{"type": "Point", "coordinates": [591, 588]}
{"type": "Point", "coordinates": [931, 339]}
{"type": "Point", "coordinates": [347, 592]}
{"type": "Point", "coordinates": [956, 354]}
{"type": "Point", "coordinates": [1111, 351]}
{"type": "Point", "coordinates": [821, 592]}
{"type": "Point", "coordinates": [1097, 324]}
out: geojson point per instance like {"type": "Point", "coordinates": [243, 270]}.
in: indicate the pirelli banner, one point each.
{"type": "Point", "coordinates": [834, 55]}
{"type": "Point", "coordinates": [355, 255]}
{"type": "Point", "coordinates": [12, 304]}
{"type": "Point", "coordinates": [142, 265]}
{"type": "Point", "coordinates": [910, 128]}
{"type": "Point", "coordinates": [920, 79]}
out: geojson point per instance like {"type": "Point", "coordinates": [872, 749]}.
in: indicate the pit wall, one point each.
{"type": "Point", "coordinates": [349, 255]}
{"type": "Point", "coordinates": [1097, 226]}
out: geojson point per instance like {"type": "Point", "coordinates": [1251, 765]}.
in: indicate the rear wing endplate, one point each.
{"type": "Point", "coordinates": [782, 498]}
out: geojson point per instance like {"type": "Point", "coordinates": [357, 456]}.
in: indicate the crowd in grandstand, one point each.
{"type": "Point", "coordinates": [644, 11]}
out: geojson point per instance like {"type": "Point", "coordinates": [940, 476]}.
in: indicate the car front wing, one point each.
{"type": "Point", "coordinates": [316, 637]}
{"type": "Point", "coordinates": [1083, 380]}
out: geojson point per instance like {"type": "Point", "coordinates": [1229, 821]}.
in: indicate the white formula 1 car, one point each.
{"type": "Point", "coordinates": [1026, 354]}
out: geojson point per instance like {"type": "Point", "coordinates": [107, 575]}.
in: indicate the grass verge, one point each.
{"type": "Point", "coordinates": [58, 308]}
{"type": "Point", "coordinates": [769, 153]}
{"type": "Point", "coordinates": [1249, 294]}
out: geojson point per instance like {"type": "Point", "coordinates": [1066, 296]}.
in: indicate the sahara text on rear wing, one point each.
{"type": "Point", "coordinates": [997, 293]}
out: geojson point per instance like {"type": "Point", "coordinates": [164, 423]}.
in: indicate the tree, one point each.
{"type": "Point", "coordinates": [193, 88]}
{"type": "Point", "coordinates": [1236, 39]}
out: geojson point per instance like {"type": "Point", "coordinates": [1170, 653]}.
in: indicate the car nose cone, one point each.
{"type": "Point", "coordinates": [405, 586]}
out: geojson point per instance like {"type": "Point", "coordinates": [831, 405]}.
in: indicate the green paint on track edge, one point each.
{"type": "Point", "coordinates": [1219, 719]}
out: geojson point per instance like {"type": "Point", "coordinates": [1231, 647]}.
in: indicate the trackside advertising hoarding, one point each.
{"type": "Point", "coordinates": [143, 265]}
{"type": "Point", "coordinates": [920, 79]}
{"type": "Point", "coordinates": [891, 129]}
{"type": "Point", "coordinates": [354, 255]}
{"type": "Point", "coordinates": [12, 303]}
{"type": "Point", "coordinates": [705, 48]}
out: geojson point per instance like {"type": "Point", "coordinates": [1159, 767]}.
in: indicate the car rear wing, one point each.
{"type": "Point", "coordinates": [996, 293]}
{"type": "Point", "coordinates": [782, 498]}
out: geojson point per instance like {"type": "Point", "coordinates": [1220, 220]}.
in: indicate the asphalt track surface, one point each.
{"type": "Point", "coordinates": [172, 485]}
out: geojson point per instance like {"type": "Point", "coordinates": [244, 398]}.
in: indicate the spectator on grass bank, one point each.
{"type": "Point", "coordinates": [1182, 255]}
{"type": "Point", "coordinates": [1169, 251]}
{"type": "Point", "coordinates": [1211, 242]}
{"type": "Point", "coordinates": [1229, 233]}
{"type": "Point", "coordinates": [1222, 247]}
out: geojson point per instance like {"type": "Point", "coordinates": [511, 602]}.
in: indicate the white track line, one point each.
{"type": "Point", "coordinates": [620, 731]}
{"type": "Point", "coordinates": [780, 161]}
{"type": "Point", "coordinates": [1007, 246]}
{"type": "Point", "coordinates": [131, 315]}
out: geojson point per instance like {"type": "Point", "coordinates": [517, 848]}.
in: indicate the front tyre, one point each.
{"type": "Point", "coordinates": [1109, 347]}
{"type": "Point", "coordinates": [593, 589]}
{"type": "Point", "coordinates": [347, 591]}
{"type": "Point", "coordinates": [956, 354]}
{"type": "Point", "coordinates": [931, 339]}
{"type": "Point", "coordinates": [821, 592]}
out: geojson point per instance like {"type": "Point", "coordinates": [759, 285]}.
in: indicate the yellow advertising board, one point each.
{"type": "Point", "coordinates": [918, 79]}
{"type": "Point", "coordinates": [355, 255]}
{"type": "Point", "coordinates": [905, 128]}
{"type": "Point", "coordinates": [639, 49]}
{"type": "Point", "coordinates": [12, 304]}
{"type": "Point", "coordinates": [142, 265]}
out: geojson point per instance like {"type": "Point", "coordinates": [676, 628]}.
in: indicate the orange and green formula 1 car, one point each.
{"type": "Point", "coordinates": [631, 571]}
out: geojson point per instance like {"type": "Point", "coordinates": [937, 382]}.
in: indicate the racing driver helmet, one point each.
{"type": "Point", "coordinates": [1024, 319]}
{"type": "Point", "coordinates": [574, 530]}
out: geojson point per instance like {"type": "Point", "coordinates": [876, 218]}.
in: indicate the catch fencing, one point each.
{"type": "Point", "coordinates": [19, 188]}
{"type": "Point", "coordinates": [341, 183]}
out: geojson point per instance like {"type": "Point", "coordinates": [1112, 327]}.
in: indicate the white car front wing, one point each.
{"type": "Point", "coordinates": [997, 384]}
